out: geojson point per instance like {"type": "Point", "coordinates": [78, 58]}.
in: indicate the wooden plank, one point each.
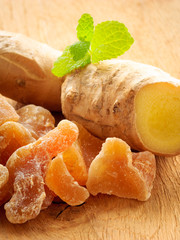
{"type": "Point", "coordinates": [155, 26]}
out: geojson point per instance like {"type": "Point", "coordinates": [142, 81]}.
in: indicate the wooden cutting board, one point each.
{"type": "Point", "coordinates": [155, 26]}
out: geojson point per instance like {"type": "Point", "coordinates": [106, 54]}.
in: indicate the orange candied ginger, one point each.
{"type": "Point", "coordinates": [12, 136]}
{"type": "Point", "coordinates": [7, 112]}
{"type": "Point", "coordinates": [119, 172]}
{"type": "Point", "coordinates": [75, 163]}
{"type": "Point", "coordinates": [4, 189]}
{"type": "Point", "coordinates": [36, 119]}
{"type": "Point", "coordinates": [79, 156]}
{"type": "Point", "coordinates": [89, 144]}
{"type": "Point", "coordinates": [4, 176]}
{"type": "Point", "coordinates": [60, 181]}
{"type": "Point", "coordinates": [16, 105]}
{"type": "Point", "coordinates": [27, 168]}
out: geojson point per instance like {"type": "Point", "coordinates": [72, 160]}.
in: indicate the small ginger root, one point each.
{"type": "Point", "coordinates": [132, 101]}
{"type": "Point", "coordinates": [25, 71]}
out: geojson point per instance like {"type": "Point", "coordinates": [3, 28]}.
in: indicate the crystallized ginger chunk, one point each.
{"type": "Point", "coordinates": [7, 112]}
{"type": "Point", "coordinates": [36, 119]}
{"type": "Point", "coordinates": [4, 176]}
{"type": "Point", "coordinates": [89, 144]}
{"type": "Point", "coordinates": [27, 168]}
{"type": "Point", "coordinates": [13, 135]}
{"type": "Point", "coordinates": [60, 181]}
{"type": "Point", "coordinates": [119, 172]}
{"type": "Point", "coordinates": [4, 189]}
{"type": "Point", "coordinates": [16, 105]}
{"type": "Point", "coordinates": [75, 163]}
{"type": "Point", "coordinates": [79, 156]}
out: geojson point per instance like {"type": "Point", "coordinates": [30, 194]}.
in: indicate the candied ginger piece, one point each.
{"type": "Point", "coordinates": [5, 193]}
{"type": "Point", "coordinates": [31, 162]}
{"type": "Point", "coordinates": [16, 105]}
{"type": "Point", "coordinates": [4, 176]}
{"type": "Point", "coordinates": [119, 172]}
{"type": "Point", "coordinates": [146, 164]}
{"type": "Point", "coordinates": [60, 181]}
{"type": "Point", "coordinates": [4, 189]}
{"type": "Point", "coordinates": [7, 112]}
{"type": "Point", "coordinates": [36, 119]}
{"type": "Point", "coordinates": [79, 156]}
{"type": "Point", "coordinates": [50, 195]}
{"type": "Point", "coordinates": [89, 144]}
{"type": "Point", "coordinates": [12, 136]}
{"type": "Point", "coordinates": [28, 196]}
{"type": "Point", "coordinates": [75, 163]}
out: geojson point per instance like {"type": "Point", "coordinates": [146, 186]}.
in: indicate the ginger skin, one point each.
{"type": "Point", "coordinates": [108, 99]}
{"type": "Point", "coordinates": [25, 67]}
{"type": "Point", "coordinates": [115, 98]}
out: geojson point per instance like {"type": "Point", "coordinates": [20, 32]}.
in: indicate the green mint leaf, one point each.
{"type": "Point", "coordinates": [85, 28]}
{"type": "Point", "coordinates": [65, 63]}
{"type": "Point", "coordinates": [110, 40]}
{"type": "Point", "coordinates": [79, 49]}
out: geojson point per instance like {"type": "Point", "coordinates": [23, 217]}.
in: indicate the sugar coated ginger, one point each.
{"type": "Point", "coordinates": [4, 176]}
{"type": "Point", "coordinates": [118, 171]}
{"type": "Point", "coordinates": [79, 156]}
{"type": "Point", "coordinates": [36, 119]}
{"type": "Point", "coordinates": [27, 168]}
{"type": "Point", "coordinates": [7, 112]}
{"type": "Point", "coordinates": [60, 181]}
{"type": "Point", "coordinates": [4, 187]}
{"type": "Point", "coordinates": [12, 136]}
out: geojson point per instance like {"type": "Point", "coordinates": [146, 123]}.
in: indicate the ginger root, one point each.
{"type": "Point", "coordinates": [132, 101]}
{"type": "Point", "coordinates": [115, 98]}
{"type": "Point", "coordinates": [25, 71]}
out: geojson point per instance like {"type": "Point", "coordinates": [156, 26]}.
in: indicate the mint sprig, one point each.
{"type": "Point", "coordinates": [109, 39]}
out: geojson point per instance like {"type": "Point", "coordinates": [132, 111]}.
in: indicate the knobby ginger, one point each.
{"type": "Point", "coordinates": [133, 101]}
{"type": "Point", "coordinates": [114, 98]}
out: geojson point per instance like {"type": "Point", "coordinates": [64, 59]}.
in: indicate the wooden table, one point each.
{"type": "Point", "coordinates": [155, 26]}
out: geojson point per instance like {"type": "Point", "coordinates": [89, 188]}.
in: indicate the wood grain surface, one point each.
{"type": "Point", "coordinates": [155, 26]}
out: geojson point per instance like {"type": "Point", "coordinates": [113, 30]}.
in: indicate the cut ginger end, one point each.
{"type": "Point", "coordinates": [116, 170]}
{"type": "Point", "coordinates": [59, 180]}
{"type": "Point", "coordinates": [157, 110]}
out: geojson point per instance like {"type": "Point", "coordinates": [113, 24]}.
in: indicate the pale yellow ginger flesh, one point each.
{"type": "Point", "coordinates": [157, 108]}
